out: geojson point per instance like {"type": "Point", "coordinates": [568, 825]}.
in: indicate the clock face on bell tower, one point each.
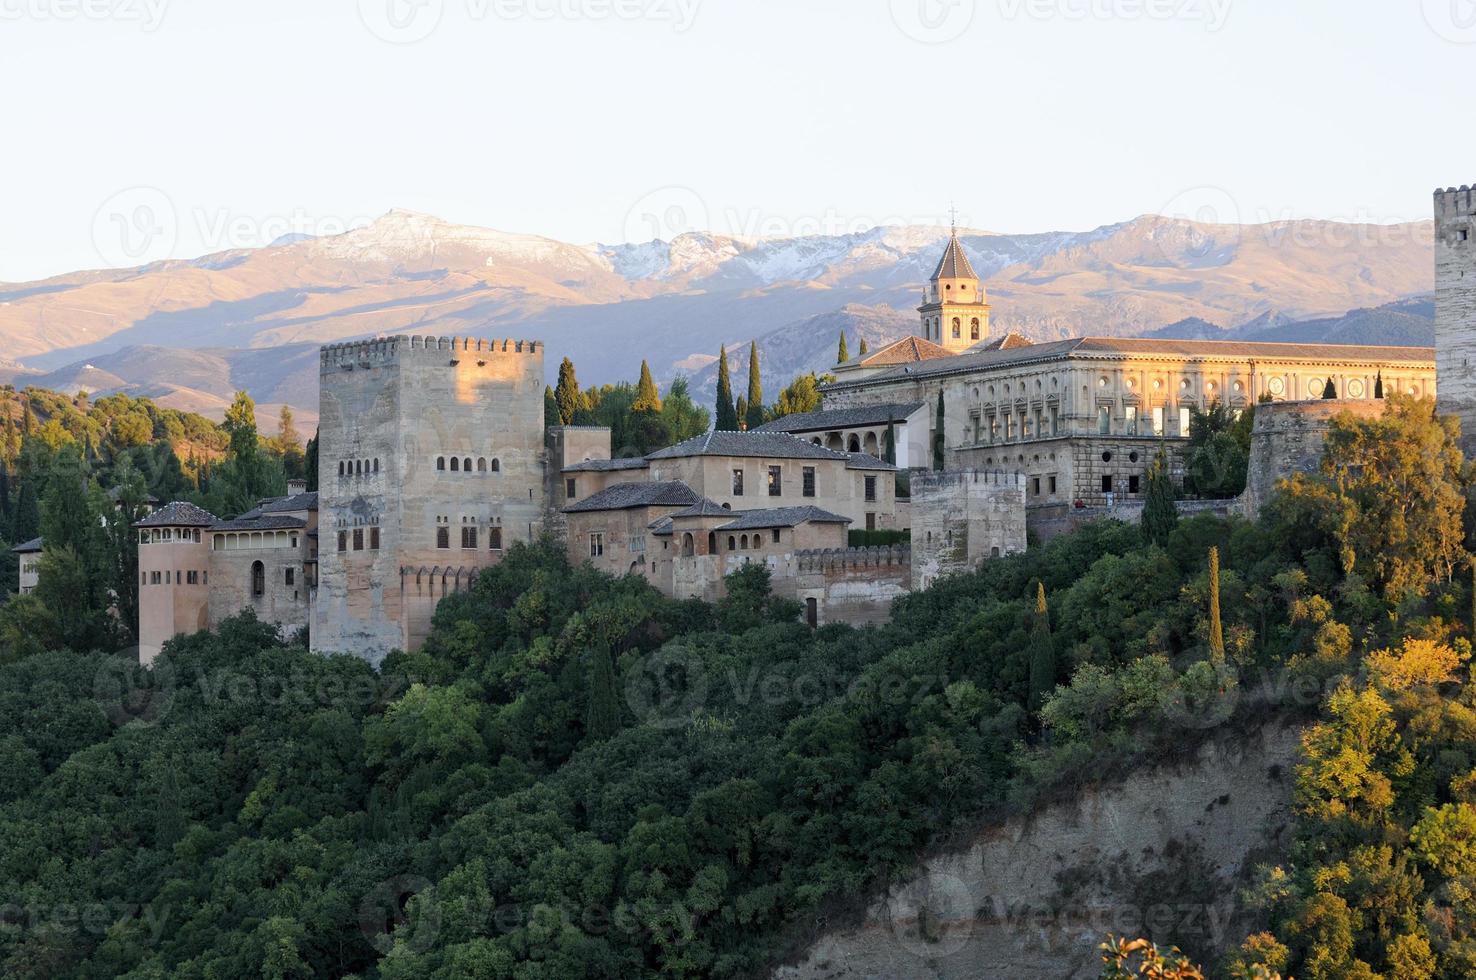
{"type": "Point", "coordinates": [954, 311]}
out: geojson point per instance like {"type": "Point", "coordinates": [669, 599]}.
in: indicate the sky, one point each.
{"type": "Point", "coordinates": [133, 130]}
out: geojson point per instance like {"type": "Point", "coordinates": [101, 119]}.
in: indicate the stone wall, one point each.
{"type": "Point", "coordinates": [1455, 307]}
{"type": "Point", "coordinates": [281, 602]}
{"type": "Point", "coordinates": [1287, 438]}
{"type": "Point", "coordinates": [167, 607]}
{"type": "Point", "coordinates": [961, 517]}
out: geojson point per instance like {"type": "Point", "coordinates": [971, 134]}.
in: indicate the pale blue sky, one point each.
{"type": "Point", "coordinates": [219, 124]}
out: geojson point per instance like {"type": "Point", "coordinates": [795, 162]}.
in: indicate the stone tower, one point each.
{"type": "Point", "coordinates": [954, 311]}
{"type": "Point", "coordinates": [1455, 308]}
{"type": "Point", "coordinates": [430, 465]}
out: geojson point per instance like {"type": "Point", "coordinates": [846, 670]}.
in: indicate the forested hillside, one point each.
{"type": "Point", "coordinates": [577, 777]}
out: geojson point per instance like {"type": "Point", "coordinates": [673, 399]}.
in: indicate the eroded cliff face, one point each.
{"type": "Point", "coordinates": [1160, 853]}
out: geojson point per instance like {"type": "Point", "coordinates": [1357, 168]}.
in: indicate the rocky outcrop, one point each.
{"type": "Point", "coordinates": [1159, 853]}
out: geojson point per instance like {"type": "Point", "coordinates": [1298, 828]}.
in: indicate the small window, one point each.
{"type": "Point", "coordinates": [455, 465]}
{"type": "Point", "coordinates": [376, 465]}
{"type": "Point", "coordinates": [258, 578]}
{"type": "Point", "coordinates": [1051, 482]}
{"type": "Point", "coordinates": [481, 464]}
{"type": "Point", "coordinates": [358, 539]}
{"type": "Point", "coordinates": [871, 489]}
{"type": "Point", "coordinates": [496, 466]}
{"type": "Point", "coordinates": [290, 576]}
{"type": "Point", "coordinates": [571, 488]}
{"type": "Point", "coordinates": [340, 467]}
{"type": "Point", "coordinates": [343, 541]}
{"type": "Point", "coordinates": [443, 537]}
{"type": "Point", "coordinates": [440, 462]}
{"type": "Point", "coordinates": [1104, 420]}
{"type": "Point", "coordinates": [974, 329]}
{"type": "Point", "coordinates": [776, 535]}
{"type": "Point", "coordinates": [1107, 483]}
{"type": "Point", "coordinates": [374, 539]}
{"type": "Point", "coordinates": [732, 543]}
{"type": "Point", "coordinates": [737, 483]}
{"type": "Point", "coordinates": [596, 545]}
{"type": "Point", "coordinates": [466, 465]}
{"type": "Point", "coordinates": [494, 538]}
{"type": "Point", "coordinates": [871, 522]}
{"type": "Point", "coordinates": [807, 476]}
{"type": "Point", "coordinates": [1133, 483]}
{"type": "Point", "coordinates": [776, 481]}
{"type": "Point", "coordinates": [743, 543]}
{"type": "Point", "coordinates": [469, 536]}
{"type": "Point", "coordinates": [1035, 486]}
{"type": "Point", "coordinates": [957, 328]}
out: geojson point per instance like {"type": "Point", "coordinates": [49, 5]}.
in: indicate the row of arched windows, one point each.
{"type": "Point", "coordinates": [464, 464]}
{"type": "Point", "coordinates": [357, 467]}
{"type": "Point", "coordinates": [933, 328]}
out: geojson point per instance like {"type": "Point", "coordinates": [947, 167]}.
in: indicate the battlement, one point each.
{"type": "Point", "coordinates": [385, 350]}
{"type": "Point", "coordinates": [1454, 202]}
{"type": "Point", "coordinates": [926, 481]}
{"type": "Point", "coordinates": [840, 559]}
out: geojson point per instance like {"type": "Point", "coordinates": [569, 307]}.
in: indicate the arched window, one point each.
{"type": "Point", "coordinates": [340, 467]}
{"type": "Point", "coordinates": [455, 465]}
{"type": "Point", "coordinates": [854, 444]}
{"type": "Point", "coordinates": [496, 466]}
{"type": "Point", "coordinates": [688, 546]}
{"type": "Point", "coordinates": [974, 329]}
{"type": "Point", "coordinates": [732, 543]}
{"type": "Point", "coordinates": [957, 328]}
{"type": "Point", "coordinates": [712, 542]}
{"type": "Point", "coordinates": [466, 464]}
{"type": "Point", "coordinates": [743, 543]}
{"type": "Point", "coordinates": [481, 464]}
{"type": "Point", "coordinates": [376, 464]}
{"type": "Point", "coordinates": [358, 467]}
{"type": "Point", "coordinates": [258, 578]}
{"type": "Point", "coordinates": [440, 462]}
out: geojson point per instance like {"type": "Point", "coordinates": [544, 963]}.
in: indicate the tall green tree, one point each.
{"type": "Point", "coordinates": [1042, 652]}
{"type": "Point", "coordinates": [129, 505]}
{"type": "Point", "coordinates": [938, 437]}
{"type": "Point", "coordinates": [603, 714]}
{"type": "Point", "coordinates": [801, 395]}
{"type": "Point", "coordinates": [1329, 390]}
{"type": "Point", "coordinates": [309, 462]}
{"type": "Point", "coordinates": [889, 445]}
{"type": "Point", "coordinates": [682, 417]}
{"type": "Point", "coordinates": [647, 397]}
{"type": "Point", "coordinates": [1379, 384]}
{"type": "Point", "coordinates": [567, 393]}
{"type": "Point", "coordinates": [863, 350]}
{"type": "Point", "coordinates": [1216, 629]}
{"type": "Point", "coordinates": [755, 414]}
{"type": "Point", "coordinates": [842, 355]}
{"type": "Point", "coordinates": [726, 417]}
{"type": "Point", "coordinates": [741, 411]}
{"type": "Point", "coordinates": [1160, 513]}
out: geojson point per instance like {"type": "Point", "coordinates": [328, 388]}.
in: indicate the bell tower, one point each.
{"type": "Point", "coordinates": [954, 310]}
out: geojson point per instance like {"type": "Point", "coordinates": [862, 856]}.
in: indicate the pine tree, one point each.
{"type": "Point", "coordinates": [1216, 631]}
{"type": "Point", "coordinates": [603, 716]}
{"type": "Point", "coordinates": [725, 419]}
{"type": "Point", "coordinates": [755, 414]}
{"type": "Point", "coordinates": [938, 435]}
{"type": "Point", "coordinates": [889, 446]}
{"type": "Point", "coordinates": [1160, 515]}
{"type": "Point", "coordinates": [567, 393]}
{"type": "Point", "coordinates": [842, 355]}
{"type": "Point", "coordinates": [1329, 390]}
{"type": "Point", "coordinates": [1379, 384]}
{"type": "Point", "coordinates": [1042, 652]}
{"type": "Point", "coordinates": [863, 350]}
{"type": "Point", "coordinates": [647, 398]}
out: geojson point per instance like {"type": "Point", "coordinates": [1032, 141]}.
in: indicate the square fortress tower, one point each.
{"type": "Point", "coordinates": [1455, 307]}
{"type": "Point", "coordinates": [430, 464]}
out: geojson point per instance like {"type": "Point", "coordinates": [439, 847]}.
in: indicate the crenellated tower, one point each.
{"type": "Point", "coordinates": [954, 310]}
{"type": "Point", "coordinates": [1455, 308]}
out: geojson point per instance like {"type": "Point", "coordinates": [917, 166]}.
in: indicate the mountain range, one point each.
{"type": "Point", "coordinates": [190, 332]}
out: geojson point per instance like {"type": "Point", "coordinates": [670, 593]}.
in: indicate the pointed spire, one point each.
{"type": "Point", "coordinates": [954, 264]}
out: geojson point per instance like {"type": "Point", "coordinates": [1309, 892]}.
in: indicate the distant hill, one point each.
{"type": "Point", "coordinates": [671, 303]}
{"type": "Point", "coordinates": [1403, 323]}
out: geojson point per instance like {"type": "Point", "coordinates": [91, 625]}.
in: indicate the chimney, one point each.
{"type": "Point", "coordinates": [295, 487]}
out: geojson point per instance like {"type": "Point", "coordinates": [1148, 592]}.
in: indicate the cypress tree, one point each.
{"type": "Point", "coordinates": [842, 355]}
{"type": "Point", "coordinates": [938, 435]}
{"type": "Point", "coordinates": [741, 412]}
{"type": "Point", "coordinates": [647, 398]}
{"type": "Point", "coordinates": [725, 419]}
{"type": "Point", "coordinates": [27, 523]}
{"type": "Point", "coordinates": [1160, 515]}
{"type": "Point", "coordinates": [1042, 652]}
{"type": "Point", "coordinates": [889, 446]}
{"type": "Point", "coordinates": [1216, 631]}
{"type": "Point", "coordinates": [1379, 384]}
{"type": "Point", "coordinates": [567, 392]}
{"type": "Point", "coordinates": [603, 718]}
{"type": "Point", "coordinates": [754, 416]}
{"type": "Point", "coordinates": [1329, 390]}
{"type": "Point", "coordinates": [863, 350]}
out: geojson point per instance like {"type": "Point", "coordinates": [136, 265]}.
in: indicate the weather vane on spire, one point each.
{"type": "Point", "coordinates": [953, 217]}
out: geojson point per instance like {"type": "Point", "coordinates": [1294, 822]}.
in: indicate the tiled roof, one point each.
{"type": "Point", "coordinates": [759, 442]}
{"type": "Point", "coordinates": [178, 513]}
{"type": "Point", "coordinates": [623, 496]}
{"type": "Point", "coordinates": [285, 505]}
{"type": "Point", "coordinates": [748, 520]}
{"type": "Point", "coordinates": [1111, 347]}
{"type": "Point", "coordinates": [704, 508]}
{"type": "Point", "coordinates": [606, 465]}
{"type": "Point", "coordinates": [908, 350]}
{"type": "Point", "coordinates": [267, 522]}
{"type": "Point", "coordinates": [864, 461]}
{"type": "Point", "coordinates": [1008, 341]}
{"type": "Point", "coordinates": [842, 418]}
{"type": "Point", "coordinates": [28, 547]}
{"type": "Point", "coordinates": [954, 264]}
